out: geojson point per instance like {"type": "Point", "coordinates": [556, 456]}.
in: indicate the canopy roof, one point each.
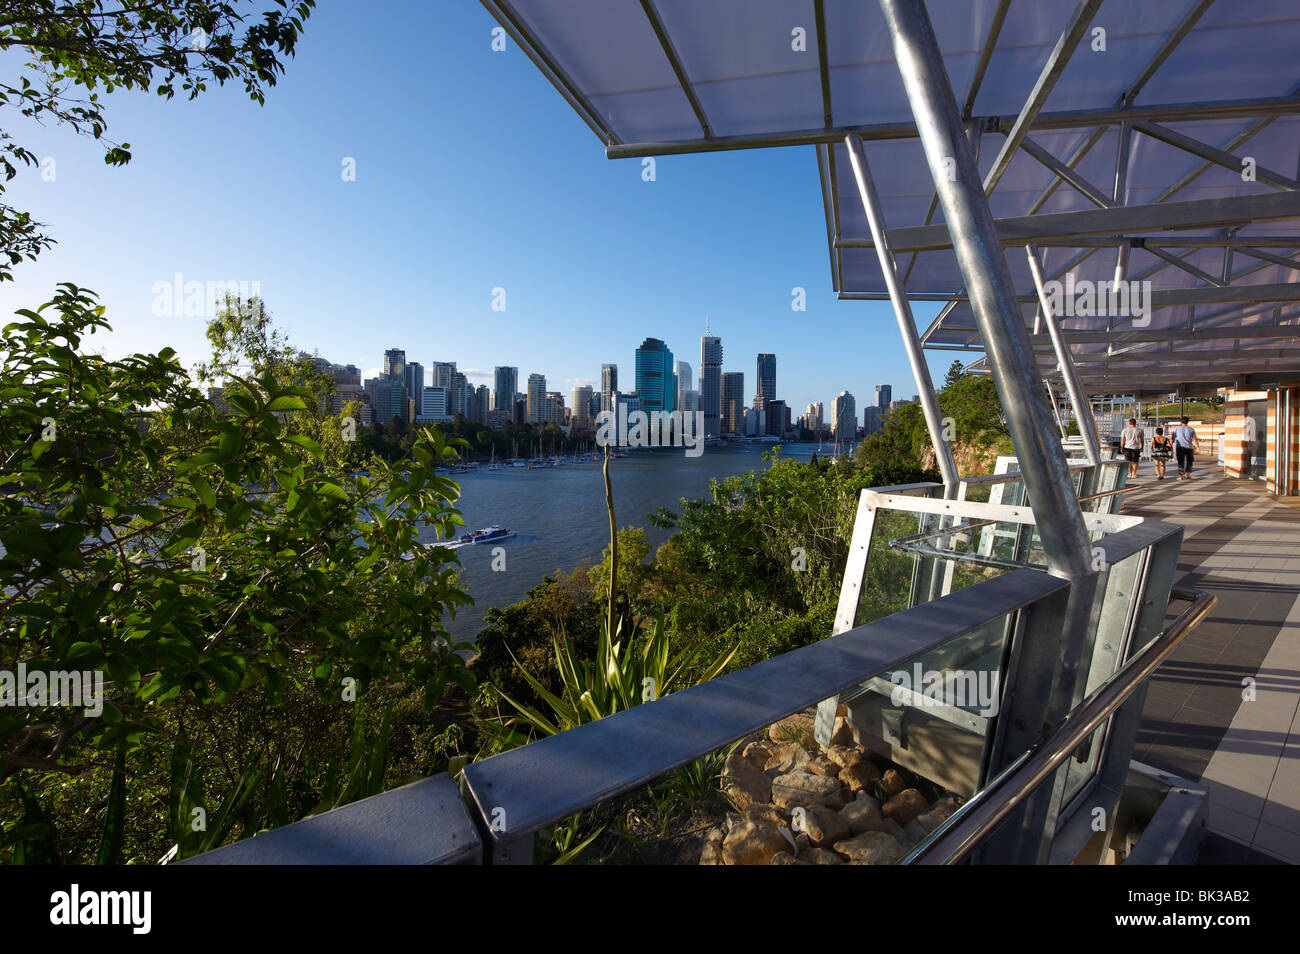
{"type": "Point", "coordinates": [1103, 128]}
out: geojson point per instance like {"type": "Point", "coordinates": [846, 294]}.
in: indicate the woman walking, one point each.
{"type": "Point", "coordinates": [1185, 446]}
{"type": "Point", "coordinates": [1162, 448]}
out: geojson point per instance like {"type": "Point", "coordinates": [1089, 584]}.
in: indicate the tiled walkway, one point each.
{"type": "Point", "coordinates": [1244, 546]}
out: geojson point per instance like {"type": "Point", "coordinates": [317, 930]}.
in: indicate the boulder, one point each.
{"type": "Point", "coordinates": [845, 755]}
{"type": "Point", "coordinates": [757, 754]}
{"type": "Point", "coordinates": [762, 813]}
{"type": "Point", "coordinates": [753, 843]}
{"type": "Point", "coordinates": [904, 806]}
{"type": "Point", "coordinates": [791, 757]}
{"type": "Point", "coordinates": [784, 858]}
{"type": "Point", "coordinates": [804, 788]}
{"type": "Point", "coordinates": [859, 775]}
{"type": "Point", "coordinates": [863, 814]}
{"type": "Point", "coordinates": [712, 852]}
{"type": "Point", "coordinates": [892, 782]}
{"type": "Point", "coordinates": [824, 826]}
{"type": "Point", "coordinates": [870, 848]}
{"type": "Point", "coordinates": [795, 728]}
{"type": "Point", "coordinates": [939, 813]}
{"type": "Point", "coordinates": [841, 732]}
{"type": "Point", "coordinates": [820, 856]}
{"type": "Point", "coordinates": [821, 765]}
{"type": "Point", "coordinates": [745, 784]}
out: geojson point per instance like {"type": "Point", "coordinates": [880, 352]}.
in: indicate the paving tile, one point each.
{"type": "Point", "coordinates": [1224, 821]}
{"type": "Point", "coordinates": [1277, 841]}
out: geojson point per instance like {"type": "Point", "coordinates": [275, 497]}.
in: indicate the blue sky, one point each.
{"type": "Point", "coordinates": [472, 173]}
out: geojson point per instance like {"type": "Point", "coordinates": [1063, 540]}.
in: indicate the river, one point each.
{"type": "Point", "coordinates": [560, 516]}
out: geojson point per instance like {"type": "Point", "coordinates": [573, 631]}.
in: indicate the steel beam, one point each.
{"type": "Point", "coordinates": [1065, 173]}
{"type": "Point", "coordinates": [1069, 374]}
{"type": "Point", "coordinates": [903, 312]}
{"type": "Point", "coordinates": [1212, 154]}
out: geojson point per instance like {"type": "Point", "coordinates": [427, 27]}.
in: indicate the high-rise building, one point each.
{"type": "Point", "coordinates": [413, 377]}
{"type": "Point", "coordinates": [505, 382]}
{"type": "Point", "coordinates": [553, 412]}
{"type": "Point", "coordinates": [442, 374]}
{"type": "Point", "coordinates": [844, 416]}
{"type": "Point", "coordinates": [656, 381]}
{"type": "Point", "coordinates": [683, 372]}
{"type": "Point", "coordinates": [536, 399]}
{"type": "Point", "coordinates": [608, 386]}
{"type": "Point", "coordinates": [582, 395]}
{"type": "Point", "coordinates": [390, 401]}
{"type": "Point", "coordinates": [753, 422]}
{"type": "Point", "coordinates": [776, 418]}
{"type": "Point", "coordinates": [884, 394]}
{"type": "Point", "coordinates": [394, 364]}
{"type": "Point", "coordinates": [459, 386]}
{"type": "Point", "coordinates": [870, 420]}
{"type": "Point", "coordinates": [733, 402]}
{"type": "Point", "coordinates": [690, 402]}
{"type": "Point", "coordinates": [594, 405]}
{"type": "Point", "coordinates": [766, 380]}
{"type": "Point", "coordinates": [482, 404]}
{"type": "Point", "coordinates": [813, 416]}
{"type": "Point", "coordinates": [711, 383]}
{"type": "Point", "coordinates": [437, 405]}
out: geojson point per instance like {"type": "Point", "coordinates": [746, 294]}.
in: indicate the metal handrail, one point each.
{"type": "Point", "coordinates": [1017, 475]}
{"type": "Point", "coordinates": [962, 832]}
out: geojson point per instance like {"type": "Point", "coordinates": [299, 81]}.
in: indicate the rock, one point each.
{"type": "Point", "coordinates": [824, 826]}
{"type": "Point", "coordinates": [757, 754]}
{"type": "Point", "coordinates": [731, 821]}
{"type": "Point", "coordinates": [893, 782]}
{"type": "Point", "coordinates": [870, 848]}
{"type": "Point", "coordinates": [746, 784]}
{"type": "Point", "coordinates": [859, 776]}
{"type": "Point", "coordinates": [784, 858]}
{"type": "Point", "coordinates": [791, 757]}
{"type": "Point", "coordinates": [845, 755]}
{"type": "Point", "coordinates": [904, 806]}
{"type": "Point", "coordinates": [893, 827]}
{"type": "Point", "coordinates": [804, 788]}
{"type": "Point", "coordinates": [712, 853]}
{"type": "Point", "coordinates": [913, 834]}
{"type": "Point", "coordinates": [820, 856]}
{"type": "Point", "coordinates": [763, 813]}
{"type": "Point", "coordinates": [795, 728]}
{"type": "Point", "coordinates": [752, 843]}
{"type": "Point", "coordinates": [863, 814]}
{"type": "Point", "coordinates": [939, 813]}
{"type": "Point", "coordinates": [841, 732]}
{"type": "Point", "coordinates": [801, 843]}
{"type": "Point", "coordinates": [821, 765]}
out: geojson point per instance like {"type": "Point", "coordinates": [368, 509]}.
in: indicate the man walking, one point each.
{"type": "Point", "coordinates": [1132, 440]}
{"type": "Point", "coordinates": [1185, 446]}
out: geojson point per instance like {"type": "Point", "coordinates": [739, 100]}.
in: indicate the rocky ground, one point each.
{"type": "Point", "coordinates": [799, 803]}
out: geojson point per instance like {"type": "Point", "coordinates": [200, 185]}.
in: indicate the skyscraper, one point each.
{"type": "Point", "coordinates": [536, 399]}
{"type": "Point", "coordinates": [608, 386]}
{"type": "Point", "coordinates": [844, 416]}
{"type": "Point", "coordinates": [414, 379]}
{"type": "Point", "coordinates": [884, 395]}
{"type": "Point", "coordinates": [581, 403]}
{"type": "Point", "coordinates": [394, 364]}
{"type": "Point", "coordinates": [766, 380]}
{"type": "Point", "coordinates": [482, 400]}
{"type": "Point", "coordinates": [733, 402]}
{"type": "Point", "coordinates": [505, 381]}
{"type": "Point", "coordinates": [459, 386]}
{"type": "Point", "coordinates": [656, 381]}
{"type": "Point", "coordinates": [711, 383]}
{"type": "Point", "coordinates": [442, 372]}
{"type": "Point", "coordinates": [683, 371]}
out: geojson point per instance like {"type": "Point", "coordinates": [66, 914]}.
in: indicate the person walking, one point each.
{"type": "Point", "coordinates": [1133, 441]}
{"type": "Point", "coordinates": [1162, 448]}
{"type": "Point", "coordinates": [1185, 446]}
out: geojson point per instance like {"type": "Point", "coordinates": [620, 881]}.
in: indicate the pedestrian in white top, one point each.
{"type": "Point", "coordinates": [1185, 446]}
{"type": "Point", "coordinates": [1132, 440]}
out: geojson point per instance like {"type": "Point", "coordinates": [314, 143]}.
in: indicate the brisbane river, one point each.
{"type": "Point", "coordinates": [560, 516]}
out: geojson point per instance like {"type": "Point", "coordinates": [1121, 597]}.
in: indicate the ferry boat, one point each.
{"type": "Point", "coordinates": [487, 535]}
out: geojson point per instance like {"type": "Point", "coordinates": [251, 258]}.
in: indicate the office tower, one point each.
{"type": "Point", "coordinates": [458, 388]}
{"type": "Point", "coordinates": [656, 381]}
{"type": "Point", "coordinates": [690, 402]}
{"type": "Point", "coordinates": [766, 387]}
{"type": "Point", "coordinates": [505, 382]}
{"type": "Point", "coordinates": [752, 422]}
{"type": "Point", "coordinates": [390, 401]}
{"type": "Point", "coordinates": [711, 383]}
{"type": "Point", "coordinates": [884, 394]}
{"type": "Point", "coordinates": [582, 396]}
{"type": "Point", "coordinates": [394, 364]}
{"type": "Point", "coordinates": [521, 409]}
{"type": "Point", "coordinates": [776, 418]}
{"type": "Point", "coordinates": [437, 404]}
{"type": "Point", "coordinates": [442, 374]}
{"type": "Point", "coordinates": [536, 399]}
{"type": "Point", "coordinates": [631, 401]}
{"type": "Point", "coordinates": [553, 408]}
{"type": "Point", "coordinates": [844, 416]}
{"type": "Point", "coordinates": [813, 416]}
{"type": "Point", "coordinates": [683, 371]}
{"type": "Point", "coordinates": [733, 402]}
{"type": "Point", "coordinates": [483, 399]}
{"type": "Point", "coordinates": [413, 378]}
{"type": "Point", "coordinates": [608, 386]}
{"type": "Point", "coordinates": [871, 420]}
